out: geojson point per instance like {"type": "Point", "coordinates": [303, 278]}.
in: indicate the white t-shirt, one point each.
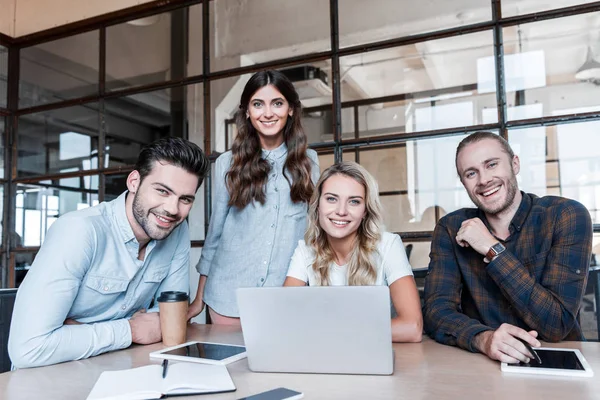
{"type": "Point", "coordinates": [390, 260]}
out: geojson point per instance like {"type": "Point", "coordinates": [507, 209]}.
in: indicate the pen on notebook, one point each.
{"type": "Point", "coordinates": [531, 350]}
{"type": "Point", "coordinates": [164, 365]}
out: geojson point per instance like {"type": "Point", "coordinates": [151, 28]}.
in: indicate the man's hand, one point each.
{"type": "Point", "coordinates": [195, 307]}
{"type": "Point", "coordinates": [70, 321]}
{"type": "Point", "coordinates": [503, 345]}
{"type": "Point", "coordinates": [475, 234]}
{"type": "Point", "coordinates": [145, 327]}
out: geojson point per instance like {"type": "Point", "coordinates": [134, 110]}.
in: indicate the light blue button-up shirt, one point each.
{"type": "Point", "coordinates": [88, 270]}
{"type": "Point", "coordinates": [251, 246]}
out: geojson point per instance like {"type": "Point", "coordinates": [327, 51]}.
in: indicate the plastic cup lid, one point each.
{"type": "Point", "coordinates": [166, 297]}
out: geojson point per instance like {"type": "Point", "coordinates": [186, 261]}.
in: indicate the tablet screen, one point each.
{"type": "Point", "coordinates": [210, 351]}
{"type": "Point", "coordinates": [554, 359]}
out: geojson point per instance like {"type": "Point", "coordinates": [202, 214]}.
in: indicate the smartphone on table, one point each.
{"type": "Point", "coordinates": [276, 394]}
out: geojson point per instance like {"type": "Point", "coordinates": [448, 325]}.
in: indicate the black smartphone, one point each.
{"type": "Point", "coordinates": [276, 394]}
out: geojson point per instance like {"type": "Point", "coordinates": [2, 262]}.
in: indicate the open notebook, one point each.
{"type": "Point", "coordinates": [147, 382]}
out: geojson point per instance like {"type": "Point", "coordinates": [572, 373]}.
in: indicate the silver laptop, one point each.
{"type": "Point", "coordinates": [326, 329]}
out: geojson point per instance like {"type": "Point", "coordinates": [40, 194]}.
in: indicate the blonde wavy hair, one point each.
{"type": "Point", "coordinates": [361, 267]}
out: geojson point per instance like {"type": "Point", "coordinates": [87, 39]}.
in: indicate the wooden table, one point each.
{"type": "Point", "coordinates": [425, 370]}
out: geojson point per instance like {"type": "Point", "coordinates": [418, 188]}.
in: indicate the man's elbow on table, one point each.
{"type": "Point", "coordinates": [23, 355]}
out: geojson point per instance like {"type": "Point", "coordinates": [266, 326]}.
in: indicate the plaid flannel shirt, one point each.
{"type": "Point", "coordinates": [537, 283]}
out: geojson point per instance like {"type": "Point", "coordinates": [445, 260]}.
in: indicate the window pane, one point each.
{"type": "Point", "coordinates": [417, 181]}
{"type": "Point", "coordinates": [436, 84]}
{"type": "Point", "coordinates": [115, 185]}
{"type": "Point", "coordinates": [194, 35]}
{"type": "Point", "coordinates": [554, 162]}
{"type": "Point", "coordinates": [62, 140]}
{"type": "Point", "coordinates": [3, 75]}
{"type": "Point", "coordinates": [195, 113]}
{"type": "Point", "coordinates": [546, 69]}
{"type": "Point", "coordinates": [139, 52]}
{"type": "Point", "coordinates": [251, 32]}
{"type": "Point", "coordinates": [134, 121]}
{"type": "Point", "coordinates": [59, 70]}
{"type": "Point", "coordinates": [314, 94]}
{"type": "Point", "coordinates": [37, 207]}
{"type": "Point", "coordinates": [519, 7]}
{"type": "Point", "coordinates": [387, 19]}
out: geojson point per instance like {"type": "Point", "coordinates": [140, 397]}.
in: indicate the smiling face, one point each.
{"type": "Point", "coordinates": [161, 201]}
{"type": "Point", "coordinates": [341, 207]}
{"type": "Point", "coordinates": [268, 111]}
{"type": "Point", "coordinates": [489, 176]}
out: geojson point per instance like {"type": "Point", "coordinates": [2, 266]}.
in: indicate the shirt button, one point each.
{"type": "Point", "coordinates": [272, 225]}
{"type": "Point", "coordinates": [106, 288]}
{"type": "Point", "coordinates": [264, 262]}
{"type": "Point", "coordinates": [268, 243]}
{"type": "Point", "coordinates": [275, 207]}
{"type": "Point", "coordinates": [272, 163]}
{"type": "Point", "coordinates": [262, 279]}
{"type": "Point", "coordinates": [277, 190]}
{"type": "Point", "coordinates": [274, 175]}
{"type": "Point", "coordinates": [577, 271]}
{"type": "Point", "coordinates": [123, 307]}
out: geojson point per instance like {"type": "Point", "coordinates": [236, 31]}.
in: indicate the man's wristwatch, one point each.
{"type": "Point", "coordinates": [494, 251]}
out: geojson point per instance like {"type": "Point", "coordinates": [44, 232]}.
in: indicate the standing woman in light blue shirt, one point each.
{"type": "Point", "coordinates": [262, 187]}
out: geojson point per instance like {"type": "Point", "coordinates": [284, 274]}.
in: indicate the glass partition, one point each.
{"type": "Point", "coordinates": [57, 141]}
{"type": "Point", "coordinates": [59, 70]}
{"type": "Point", "coordinates": [551, 68]}
{"type": "Point", "coordinates": [554, 162]}
{"type": "Point", "coordinates": [388, 19]}
{"type": "Point", "coordinates": [436, 84]}
{"type": "Point", "coordinates": [257, 31]}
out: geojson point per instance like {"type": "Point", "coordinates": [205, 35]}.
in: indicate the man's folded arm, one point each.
{"type": "Point", "coordinates": [443, 320]}
{"type": "Point", "coordinates": [38, 335]}
{"type": "Point", "coordinates": [550, 306]}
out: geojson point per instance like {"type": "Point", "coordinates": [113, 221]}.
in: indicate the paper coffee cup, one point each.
{"type": "Point", "coordinates": [173, 307]}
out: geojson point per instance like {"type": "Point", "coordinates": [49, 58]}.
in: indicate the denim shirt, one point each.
{"type": "Point", "coordinates": [251, 246]}
{"type": "Point", "coordinates": [87, 270]}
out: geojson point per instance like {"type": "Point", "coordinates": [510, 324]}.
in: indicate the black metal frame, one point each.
{"type": "Point", "coordinates": [495, 25]}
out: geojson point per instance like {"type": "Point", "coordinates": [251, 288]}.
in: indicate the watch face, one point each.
{"type": "Point", "coordinates": [498, 248]}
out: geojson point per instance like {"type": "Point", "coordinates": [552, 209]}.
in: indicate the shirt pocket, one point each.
{"type": "Point", "coordinates": [156, 275]}
{"type": "Point", "coordinates": [105, 285]}
{"type": "Point", "coordinates": [297, 211]}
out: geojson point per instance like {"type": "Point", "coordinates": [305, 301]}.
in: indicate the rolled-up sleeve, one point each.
{"type": "Point", "coordinates": [38, 335]}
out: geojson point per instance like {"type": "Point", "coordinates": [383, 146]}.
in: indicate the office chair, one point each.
{"type": "Point", "coordinates": [7, 302]}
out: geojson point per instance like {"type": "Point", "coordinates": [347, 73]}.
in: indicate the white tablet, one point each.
{"type": "Point", "coordinates": [555, 361]}
{"type": "Point", "coordinates": [202, 352]}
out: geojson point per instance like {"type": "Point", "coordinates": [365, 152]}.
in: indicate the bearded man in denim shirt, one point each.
{"type": "Point", "coordinates": [100, 268]}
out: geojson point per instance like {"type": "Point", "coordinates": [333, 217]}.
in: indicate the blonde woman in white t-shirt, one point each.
{"type": "Point", "coordinates": [345, 244]}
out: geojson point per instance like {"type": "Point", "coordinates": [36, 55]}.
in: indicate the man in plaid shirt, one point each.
{"type": "Point", "coordinates": [514, 268]}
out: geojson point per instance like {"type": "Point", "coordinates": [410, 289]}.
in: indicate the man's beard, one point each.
{"type": "Point", "coordinates": [511, 192]}
{"type": "Point", "coordinates": [142, 216]}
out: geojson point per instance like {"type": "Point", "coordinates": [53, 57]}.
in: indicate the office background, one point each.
{"type": "Point", "coordinates": [394, 85]}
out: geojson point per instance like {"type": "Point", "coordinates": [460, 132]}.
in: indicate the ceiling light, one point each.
{"type": "Point", "coordinates": [590, 68]}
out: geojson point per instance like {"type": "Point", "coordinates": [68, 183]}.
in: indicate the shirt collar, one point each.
{"type": "Point", "coordinates": [275, 154]}
{"type": "Point", "coordinates": [118, 206]}
{"type": "Point", "coordinates": [520, 216]}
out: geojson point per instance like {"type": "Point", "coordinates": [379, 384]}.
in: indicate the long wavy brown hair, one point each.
{"type": "Point", "coordinates": [362, 270]}
{"type": "Point", "coordinates": [247, 176]}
